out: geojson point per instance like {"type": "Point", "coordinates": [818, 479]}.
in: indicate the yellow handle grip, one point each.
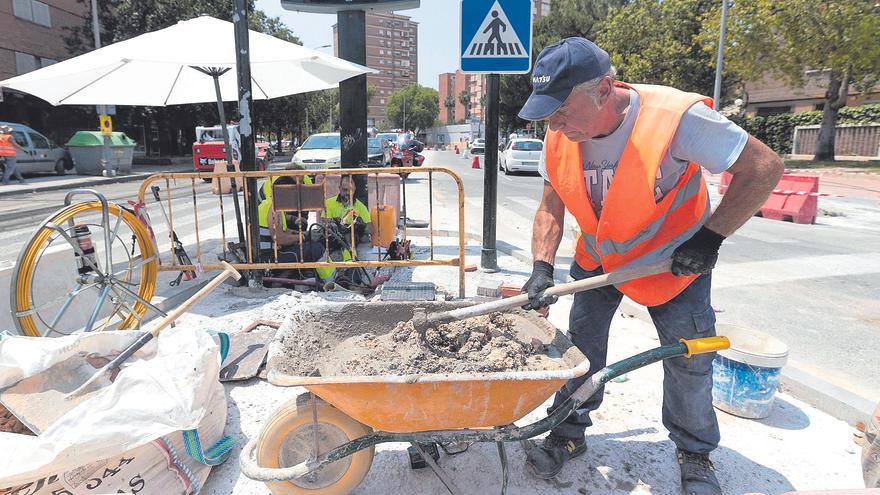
{"type": "Point", "coordinates": [706, 344]}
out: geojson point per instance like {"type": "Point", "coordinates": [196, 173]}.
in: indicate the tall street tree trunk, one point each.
{"type": "Point", "coordinates": [835, 99]}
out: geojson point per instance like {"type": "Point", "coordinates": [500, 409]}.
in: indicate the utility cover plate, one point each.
{"type": "Point", "coordinates": [408, 291]}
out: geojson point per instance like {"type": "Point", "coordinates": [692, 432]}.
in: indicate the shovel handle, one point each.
{"type": "Point", "coordinates": [228, 271]}
{"type": "Point", "coordinates": [611, 278]}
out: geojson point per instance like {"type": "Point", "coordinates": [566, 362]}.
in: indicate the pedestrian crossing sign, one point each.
{"type": "Point", "coordinates": [496, 36]}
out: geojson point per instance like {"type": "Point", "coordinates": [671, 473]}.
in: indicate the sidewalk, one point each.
{"type": "Point", "coordinates": [42, 183]}
{"type": "Point", "coordinates": [797, 447]}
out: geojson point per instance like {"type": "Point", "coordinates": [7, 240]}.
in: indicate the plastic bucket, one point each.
{"type": "Point", "coordinates": [746, 376]}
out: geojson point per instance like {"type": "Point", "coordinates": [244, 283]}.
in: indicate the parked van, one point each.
{"type": "Point", "coordinates": [40, 154]}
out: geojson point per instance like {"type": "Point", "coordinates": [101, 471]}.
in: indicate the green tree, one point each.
{"type": "Point", "coordinates": [465, 99]}
{"type": "Point", "coordinates": [656, 42]}
{"type": "Point", "coordinates": [449, 103]}
{"type": "Point", "coordinates": [787, 39]}
{"type": "Point", "coordinates": [413, 107]}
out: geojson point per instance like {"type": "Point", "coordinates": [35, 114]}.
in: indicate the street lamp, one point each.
{"type": "Point", "coordinates": [719, 64]}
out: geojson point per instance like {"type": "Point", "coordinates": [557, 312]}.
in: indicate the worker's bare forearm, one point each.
{"type": "Point", "coordinates": [547, 229]}
{"type": "Point", "coordinates": [755, 173]}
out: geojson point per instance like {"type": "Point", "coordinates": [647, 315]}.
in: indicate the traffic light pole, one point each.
{"type": "Point", "coordinates": [353, 97]}
{"type": "Point", "coordinates": [489, 255]}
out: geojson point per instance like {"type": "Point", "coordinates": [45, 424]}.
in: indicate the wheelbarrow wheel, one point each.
{"type": "Point", "coordinates": [289, 437]}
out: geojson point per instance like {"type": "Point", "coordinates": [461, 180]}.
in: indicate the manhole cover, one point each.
{"type": "Point", "coordinates": [408, 291]}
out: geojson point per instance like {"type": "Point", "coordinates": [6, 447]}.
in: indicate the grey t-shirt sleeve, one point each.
{"type": "Point", "coordinates": [708, 138]}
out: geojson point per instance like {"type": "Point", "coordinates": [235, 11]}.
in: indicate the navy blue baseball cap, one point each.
{"type": "Point", "coordinates": [559, 68]}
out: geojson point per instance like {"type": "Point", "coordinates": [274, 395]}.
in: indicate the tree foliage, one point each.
{"type": "Point", "coordinates": [786, 39]}
{"type": "Point", "coordinates": [413, 107]}
{"type": "Point", "coordinates": [656, 42]}
{"type": "Point", "coordinates": [449, 103]}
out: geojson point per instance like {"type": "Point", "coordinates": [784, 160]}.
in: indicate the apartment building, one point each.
{"type": "Point", "coordinates": [31, 33]}
{"type": "Point", "coordinates": [392, 49]}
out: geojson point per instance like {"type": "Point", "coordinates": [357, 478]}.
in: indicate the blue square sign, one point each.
{"type": "Point", "coordinates": [496, 36]}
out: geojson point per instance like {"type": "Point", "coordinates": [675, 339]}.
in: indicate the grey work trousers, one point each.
{"type": "Point", "coordinates": [11, 169]}
{"type": "Point", "coordinates": [687, 383]}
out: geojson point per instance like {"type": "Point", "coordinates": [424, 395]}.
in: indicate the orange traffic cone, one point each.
{"type": "Point", "coordinates": [475, 163]}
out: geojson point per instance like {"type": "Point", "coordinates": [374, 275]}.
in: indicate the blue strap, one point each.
{"type": "Point", "coordinates": [215, 455]}
{"type": "Point", "coordinates": [224, 344]}
{"type": "Point", "coordinates": [219, 452]}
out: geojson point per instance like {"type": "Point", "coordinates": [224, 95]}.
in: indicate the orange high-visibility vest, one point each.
{"type": "Point", "coordinates": [634, 229]}
{"type": "Point", "coordinates": [7, 148]}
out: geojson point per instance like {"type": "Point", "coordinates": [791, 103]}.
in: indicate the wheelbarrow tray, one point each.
{"type": "Point", "coordinates": [421, 402]}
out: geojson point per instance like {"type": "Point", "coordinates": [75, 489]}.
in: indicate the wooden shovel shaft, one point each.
{"type": "Point", "coordinates": [615, 277]}
{"type": "Point", "coordinates": [228, 271]}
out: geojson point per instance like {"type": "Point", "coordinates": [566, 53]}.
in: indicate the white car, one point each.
{"type": "Point", "coordinates": [521, 155]}
{"type": "Point", "coordinates": [478, 147]}
{"type": "Point", "coordinates": [319, 151]}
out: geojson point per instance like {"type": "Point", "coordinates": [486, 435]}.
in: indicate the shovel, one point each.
{"type": "Point", "coordinates": [423, 320]}
{"type": "Point", "coordinates": [228, 271]}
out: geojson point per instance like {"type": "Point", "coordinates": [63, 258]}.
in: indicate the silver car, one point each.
{"type": "Point", "coordinates": [40, 154]}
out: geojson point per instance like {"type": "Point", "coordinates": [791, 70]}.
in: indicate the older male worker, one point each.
{"type": "Point", "coordinates": [625, 160]}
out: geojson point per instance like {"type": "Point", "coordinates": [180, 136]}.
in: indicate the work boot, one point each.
{"type": "Point", "coordinates": [547, 461]}
{"type": "Point", "coordinates": [697, 474]}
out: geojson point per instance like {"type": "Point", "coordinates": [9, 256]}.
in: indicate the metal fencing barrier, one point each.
{"type": "Point", "coordinates": [306, 191]}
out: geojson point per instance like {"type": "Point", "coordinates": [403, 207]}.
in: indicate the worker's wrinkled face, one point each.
{"type": "Point", "coordinates": [582, 116]}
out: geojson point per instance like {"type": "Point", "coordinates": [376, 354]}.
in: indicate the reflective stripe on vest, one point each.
{"type": "Point", "coordinates": [633, 228]}
{"type": "Point", "coordinates": [7, 148]}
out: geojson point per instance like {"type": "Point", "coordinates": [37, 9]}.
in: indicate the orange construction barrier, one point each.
{"type": "Point", "coordinates": [725, 181]}
{"type": "Point", "coordinates": [794, 199]}
{"type": "Point", "coordinates": [475, 163]}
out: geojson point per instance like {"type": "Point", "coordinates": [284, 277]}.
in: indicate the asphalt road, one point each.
{"type": "Point", "coordinates": [815, 287]}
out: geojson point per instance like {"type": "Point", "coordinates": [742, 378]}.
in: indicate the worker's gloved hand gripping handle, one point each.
{"type": "Point", "coordinates": [698, 254]}
{"type": "Point", "coordinates": [541, 279]}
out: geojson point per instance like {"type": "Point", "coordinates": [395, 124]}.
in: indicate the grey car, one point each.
{"type": "Point", "coordinates": [40, 154]}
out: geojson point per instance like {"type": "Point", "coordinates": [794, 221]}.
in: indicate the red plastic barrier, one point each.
{"type": "Point", "coordinates": [725, 181]}
{"type": "Point", "coordinates": [793, 200]}
{"type": "Point", "coordinates": [475, 163]}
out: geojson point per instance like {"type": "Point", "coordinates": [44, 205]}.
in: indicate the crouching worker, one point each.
{"type": "Point", "coordinates": [342, 213]}
{"type": "Point", "coordinates": [288, 232]}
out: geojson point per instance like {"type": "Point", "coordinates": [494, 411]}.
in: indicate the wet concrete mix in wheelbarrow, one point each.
{"type": "Point", "coordinates": [487, 343]}
{"type": "Point", "coordinates": [480, 344]}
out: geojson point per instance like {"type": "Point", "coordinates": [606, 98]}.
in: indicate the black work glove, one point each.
{"type": "Point", "coordinates": [698, 254]}
{"type": "Point", "coordinates": [541, 279]}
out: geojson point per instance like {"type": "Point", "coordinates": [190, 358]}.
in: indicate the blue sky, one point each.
{"type": "Point", "coordinates": [438, 33]}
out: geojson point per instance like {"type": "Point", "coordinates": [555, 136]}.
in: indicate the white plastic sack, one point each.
{"type": "Point", "coordinates": [170, 385]}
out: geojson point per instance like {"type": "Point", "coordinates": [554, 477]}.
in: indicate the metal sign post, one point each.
{"type": "Point", "coordinates": [245, 101]}
{"type": "Point", "coordinates": [496, 38]}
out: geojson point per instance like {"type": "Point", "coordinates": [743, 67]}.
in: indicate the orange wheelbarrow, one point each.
{"type": "Point", "coordinates": [323, 441]}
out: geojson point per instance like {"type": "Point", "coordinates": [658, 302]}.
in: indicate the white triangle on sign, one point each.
{"type": "Point", "coordinates": [495, 37]}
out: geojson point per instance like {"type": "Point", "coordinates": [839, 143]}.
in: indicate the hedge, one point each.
{"type": "Point", "coordinates": [776, 130]}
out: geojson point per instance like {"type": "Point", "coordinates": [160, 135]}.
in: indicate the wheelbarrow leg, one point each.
{"type": "Point", "coordinates": [504, 472]}
{"type": "Point", "coordinates": [439, 471]}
